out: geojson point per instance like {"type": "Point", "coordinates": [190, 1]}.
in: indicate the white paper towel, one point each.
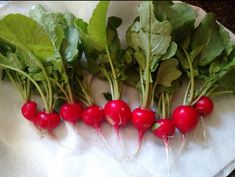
{"type": "Point", "coordinates": [24, 154]}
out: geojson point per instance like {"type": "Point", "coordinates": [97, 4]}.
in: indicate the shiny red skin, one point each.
{"type": "Point", "coordinates": [47, 121]}
{"type": "Point", "coordinates": [117, 113]}
{"type": "Point", "coordinates": [93, 116]}
{"type": "Point", "coordinates": [185, 118]}
{"type": "Point", "coordinates": [29, 110]}
{"type": "Point", "coordinates": [143, 119]}
{"type": "Point", "coordinates": [71, 112]}
{"type": "Point", "coordinates": [165, 128]}
{"type": "Point", "coordinates": [204, 106]}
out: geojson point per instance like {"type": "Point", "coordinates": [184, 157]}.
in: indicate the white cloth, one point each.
{"type": "Point", "coordinates": [24, 154]}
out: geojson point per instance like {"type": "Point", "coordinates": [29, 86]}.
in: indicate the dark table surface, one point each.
{"type": "Point", "coordinates": [225, 14]}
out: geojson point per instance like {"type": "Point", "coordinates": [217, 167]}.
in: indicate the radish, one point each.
{"type": "Point", "coordinates": [163, 128]}
{"type": "Point", "coordinates": [29, 110]}
{"type": "Point", "coordinates": [142, 119]}
{"type": "Point", "coordinates": [117, 113]}
{"type": "Point", "coordinates": [185, 118]}
{"type": "Point", "coordinates": [149, 54]}
{"type": "Point", "coordinates": [71, 112]}
{"type": "Point", "coordinates": [47, 121]}
{"type": "Point", "coordinates": [204, 106]}
{"type": "Point", "coordinates": [93, 116]}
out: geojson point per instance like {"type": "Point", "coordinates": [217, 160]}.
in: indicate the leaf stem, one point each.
{"type": "Point", "coordinates": [62, 89]}
{"type": "Point", "coordinates": [221, 93]}
{"type": "Point", "coordinates": [142, 84]}
{"type": "Point", "coordinates": [16, 85]}
{"type": "Point", "coordinates": [147, 68]}
{"type": "Point", "coordinates": [163, 106]}
{"type": "Point", "coordinates": [186, 93]}
{"type": "Point", "coordinates": [50, 93]}
{"type": "Point", "coordinates": [33, 81]}
{"type": "Point", "coordinates": [115, 83]}
{"type": "Point", "coordinates": [191, 94]}
{"type": "Point", "coordinates": [105, 73]}
{"type": "Point", "coordinates": [87, 97]}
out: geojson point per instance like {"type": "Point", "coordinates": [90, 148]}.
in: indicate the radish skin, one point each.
{"type": "Point", "coordinates": [142, 119]}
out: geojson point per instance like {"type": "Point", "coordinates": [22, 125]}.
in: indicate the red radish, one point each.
{"type": "Point", "coordinates": [29, 110]}
{"type": "Point", "coordinates": [71, 112]}
{"type": "Point", "coordinates": [204, 106]}
{"type": "Point", "coordinates": [164, 128]}
{"type": "Point", "coordinates": [117, 113]}
{"type": "Point", "coordinates": [185, 118]}
{"type": "Point", "coordinates": [47, 121]}
{"type": "Point", "coordinates": [142, 119]}
{"type": "Point", "coordinates": [93, 116]}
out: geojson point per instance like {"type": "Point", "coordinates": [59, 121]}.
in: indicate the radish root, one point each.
{"type": "Point", "coordinates": [167, 155]}
{"type": "Point", "coordinates": [204, 132]}
{"type": "Point", "coordinates": [183, 142]}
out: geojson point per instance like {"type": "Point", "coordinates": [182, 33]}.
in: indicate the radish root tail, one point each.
{"type": "Point", "coordinates": [183, 142]}
{"type": "Point", "coordinates": [167, 155]}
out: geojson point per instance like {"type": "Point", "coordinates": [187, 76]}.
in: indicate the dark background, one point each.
{"type": "Point", "coordinates": [225, 11]}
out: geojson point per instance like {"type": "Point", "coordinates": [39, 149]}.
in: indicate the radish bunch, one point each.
{"type": "Point", "coordinates": [42, 55]}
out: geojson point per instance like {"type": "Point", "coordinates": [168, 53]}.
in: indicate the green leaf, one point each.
{"type": "Point", "coordinates": [207, 35]}
{"type": "Point", "coordinates": [140, 58]}
{"type": "Point", "coordinates": [168, 72]}
{"type": "Point", "coordinates": [22, 32]}
{"type": "Point", "coordinates": [81, 25]}
{"type": "Point", "coordinates": [195, 52]}
{"type": "Point", "coordinates": [149, 35]}
{"type": "Point", "coordinates": [11, 60]}
{"type": "Point", "coordinates": [160, 89]}
{"type": "Point", "coordinates": [171, 51]}
{"type": "Point", "coordinates": [180, 15]}
{"type": "Point", "coordinates": [112, 38]}
{"type": "Point", "coordinates": [149, 23]}
{"type": "Point", "coordinates": [51, 22]}
{"type": "Point", "coordinates": [227, 81]}
{"type": "Point", "coordinates": [97, 24]}
{"type": "Point", "coordinates": [62, 32]}
{"type": "Point", "coordinates": [226, 40]}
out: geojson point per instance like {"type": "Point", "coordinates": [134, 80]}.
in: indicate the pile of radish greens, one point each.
{"type": "Point", "coordinates": [49, 54]}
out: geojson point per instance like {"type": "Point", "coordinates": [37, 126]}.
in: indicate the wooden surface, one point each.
{"type": "Point", "coordinates": [225, 11]}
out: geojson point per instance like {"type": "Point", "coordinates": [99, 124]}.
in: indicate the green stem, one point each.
{"type": "Point", "coordinates": [85, 93]}
{"type": "Point", "coordinates": [159, 105]}
{"type": "Point", "coordinates": [163, 106]}
{"type": "Point", "coordinates": [62, 89]}
{"type": "Point", "coordinates": [87, 88]}
{"type": "Point", "coordinates": [186, 93]}
{"type": "Point", "coordinates": [115, 83]}
{"type": "Point", "coordinates": [33, 81]}
{"type": "Point", "coordinates": [16, 85]}
{"type": "Point", "coordinates": [167, 105]}
{"type": "Point", "coordinates": [191, 95]}
{"type": "Point", "coordinates": [103, 70]}
{"type": "Point", "coordinates": [221, 93]}
{"type": "Point", "coordinates": [50, 94]}
{"type": "Point", "coordinates": [28, 88]}
{"type": "Point", "coordinates": [142, 84]}
{"type": "Point", "coordinates": [69, 88]}
{"type": "Point", "coordinates": [20, 84]}
{"type": "Point", "coordinates": [204, 91]}
{"type": "Point", "coordinates": [147, 68]}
